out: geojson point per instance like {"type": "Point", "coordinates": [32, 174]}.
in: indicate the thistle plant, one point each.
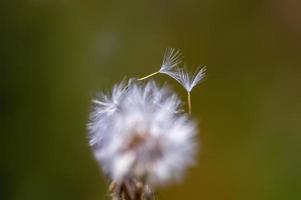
{"type": "Point", "coordinates": [140, 135]}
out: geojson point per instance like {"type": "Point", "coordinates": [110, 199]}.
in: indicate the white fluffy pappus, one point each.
{"type": "Point", "coordinates": [186, 80]}
{"type": "Point", "coordinates": [171, 59]}
{"type": "Point", "coordinates": [140, 132]}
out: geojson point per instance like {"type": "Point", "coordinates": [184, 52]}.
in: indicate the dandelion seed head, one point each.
{"type": "Point", "coordinates": [139, 131]}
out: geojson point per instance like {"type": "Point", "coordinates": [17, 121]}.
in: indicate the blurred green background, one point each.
{"type": "Point", "coordinates": [55, 55]}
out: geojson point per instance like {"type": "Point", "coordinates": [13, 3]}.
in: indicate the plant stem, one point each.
{"type": "Point", "coordinates": [189, 103]}
{"type": "Point", "coordinates": [140, 79]}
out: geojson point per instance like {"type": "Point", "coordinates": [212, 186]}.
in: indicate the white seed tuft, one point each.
{"type": "Point", "coordinates": [171, 59]}
{"type": "Point", "coordinates": [186, 80]}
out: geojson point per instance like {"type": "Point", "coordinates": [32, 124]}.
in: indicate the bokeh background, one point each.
{"type": "Point", "coordinates": [56, 54]}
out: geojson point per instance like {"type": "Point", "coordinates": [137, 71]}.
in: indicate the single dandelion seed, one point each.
{"type": "Point", "coordinates": [141, 138]}
{"type": "Point", "coordinates": [171, 59]}
{"type": "Point", "coordinates": [188, 81]}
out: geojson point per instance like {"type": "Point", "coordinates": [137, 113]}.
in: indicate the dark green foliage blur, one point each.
{"type": "Point", "coordinates": [56, 54]}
